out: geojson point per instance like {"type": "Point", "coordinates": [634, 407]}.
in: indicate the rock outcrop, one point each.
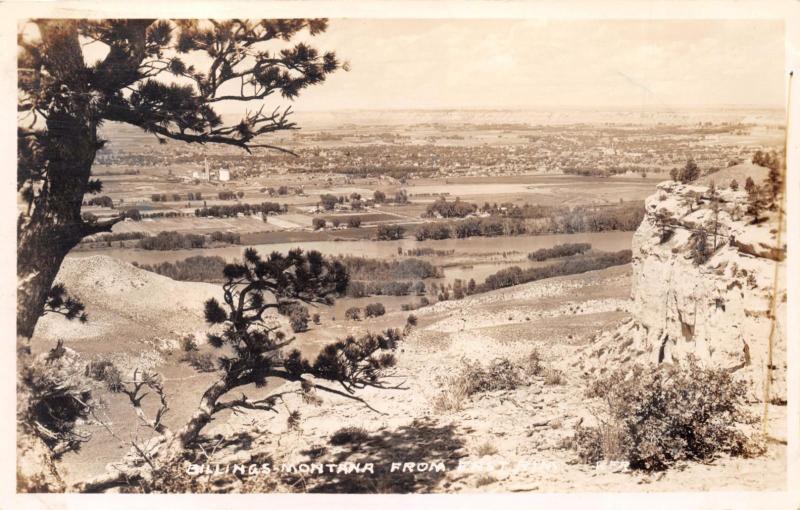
{"type": "Point", "coordinates": [727, 307]}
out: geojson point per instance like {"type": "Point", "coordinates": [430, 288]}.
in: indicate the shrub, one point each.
{"type": "Point", "coordinates": [486, 448]}
{"type": "Point", "coordinates": [318, 223]}
{"type": "Point", "coordinates": [105, 372]}
{"type": "Point", "coordinates": [374, 310]}
{"type": "Point", "coordinates": [315, 318]}
{"type": "Point", "coordinates": [654, 417]}
{"type": "Point", "coordinates": [411, 320]}
{"type": "Point", "coordinates": [454, 392]}
{"type": "Point", "coordinates": [298, 316]}
{"type": "Point", "coordinates": [102, 201]}
{"type": "Point", "coordinates": [353, 313]}
{"type": "Point", "coordinates": [54, 403]}
{"type": "Point", "coordinates": [202, 362]}
{"type": "Point", "coordinates": [328, 201]}
{"type": "Point", "coordinates": [472, 378]}
{"type": "Point", "coordinates": [133, 213]}
{"type": "Point", "coordinates": [485, 480]}
{"type": "Point", "coordinates": [353, 222]}
{"type": "Point", "coordinates": [188, 343]}
{"type": "Point", "coordinates": [532, 364]}
{"type": "Point", "coordinates": [349, 435]}
{"type": "Point", "coordinates": [554, 377]}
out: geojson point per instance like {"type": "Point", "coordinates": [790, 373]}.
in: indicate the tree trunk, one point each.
{"type": "Point", "coordinates": [54, 226]}
{"type": "Point", "coordinates": [190, 432]}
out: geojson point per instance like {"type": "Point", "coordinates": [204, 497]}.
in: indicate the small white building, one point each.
{"type": "Point", "coordinates": [224, 175]}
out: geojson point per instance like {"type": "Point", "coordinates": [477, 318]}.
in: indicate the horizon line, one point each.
{"type": "Point", "coordinates": [541, 108]}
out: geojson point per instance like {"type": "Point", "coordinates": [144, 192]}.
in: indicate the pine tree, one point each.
{"type": "Point", "coordinates": [749, 185]}
{"type": "Point", "coordinates": [142, 81]}
{"type": "Point", "coordinates": [690, 172]}
{"type": "Point", "coordinates": [754, 205]}
{"type": "Point", "coordinates": [251, 351]}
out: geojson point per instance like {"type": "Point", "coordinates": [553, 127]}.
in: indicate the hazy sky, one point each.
{"type": "Point", "coordinates": [463, 63]}
{"type": "Point", "coordinates": [520, 63]}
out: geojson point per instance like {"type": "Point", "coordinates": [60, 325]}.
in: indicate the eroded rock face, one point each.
{"type": "Point", "coordinates": [723, 310]}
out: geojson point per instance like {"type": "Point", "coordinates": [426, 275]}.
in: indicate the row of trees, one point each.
{"type": "Point", "coordinates": [444, 209]}
{"type": "Point", "coordinates": [516, 275]}
{"type": "Point", "coordinates": [362, 268]}
{"type": "Point", "coordinates": [177, 197]}
{"type": "Point", "coordinates": [559, 250]}
{"type": "Point", "coordinates": [164, 241]}
{"type": "Point", "coordinates": [354, 313]}
{"type": "Point", "coordinates": [228, 211]}
{"type": "Point", "coordinates": [361, 288]}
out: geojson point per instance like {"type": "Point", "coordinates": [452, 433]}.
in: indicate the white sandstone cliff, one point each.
{"type": "Point", "coordinates": [721, 310]}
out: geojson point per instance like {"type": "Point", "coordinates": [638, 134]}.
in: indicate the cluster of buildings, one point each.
{"type": "Point", "coordinates": [221, 175]}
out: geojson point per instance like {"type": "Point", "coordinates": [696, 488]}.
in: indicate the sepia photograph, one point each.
{"type": "Point", "coordinates": [400, 253]}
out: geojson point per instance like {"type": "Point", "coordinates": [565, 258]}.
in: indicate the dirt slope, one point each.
{"type": "Point", "coordinates": [126, 303]}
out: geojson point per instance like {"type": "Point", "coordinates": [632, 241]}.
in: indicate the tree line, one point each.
{"type": "Point", "coordinates": [227, 211]}
{"type": "Point", "coordinates": [626, 217]}
{"type": "Point", "coordinates": [164, 241]}
{"type": "Point", "coordinates": [559, 250]}
{"type": "Point", "coordinates": [516, 275]}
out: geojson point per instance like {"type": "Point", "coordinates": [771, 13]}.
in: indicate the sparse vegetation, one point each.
{"type": "Point", "coordinates": [653, 417]}
{"type": "Point", "coordinates": [200, 361]}
{"type": "Point", "coordinates": [193, 269]}
{"type": "Point", "coordinates": [485, 449]}
{"type": "Point", "coordinates": [349, 435]}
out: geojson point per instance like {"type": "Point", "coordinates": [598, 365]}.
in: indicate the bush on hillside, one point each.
{"type": "Point", "coordinates": [374, 310]}
{"type": "Point", "coordinates": [654, 417]}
